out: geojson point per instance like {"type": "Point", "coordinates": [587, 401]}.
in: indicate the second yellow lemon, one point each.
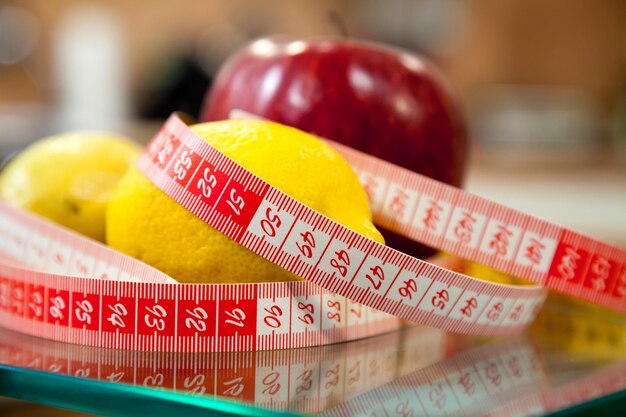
{"type": "Point", "coordinates": [145, 223]}
{"type": "Point", "coordinates": [69, 178]}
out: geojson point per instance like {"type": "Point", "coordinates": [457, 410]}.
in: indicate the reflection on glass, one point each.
{"type": "Point", "coordinates": [574, 354]}
{"type": "Point", "coordinates": [306, 380]}
{"type": "Point", "coordinates": [471, 383]}
{"type": "Point", "coordinates": [585, 331]}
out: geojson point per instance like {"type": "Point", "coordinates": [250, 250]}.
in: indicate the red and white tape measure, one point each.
{"type": "Point", "coordinates": [132, 306]}
{"type": "Point", "coordinates": [349, 278]}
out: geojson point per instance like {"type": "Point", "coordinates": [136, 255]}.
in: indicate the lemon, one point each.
{"type": "Point", "coordinates": [69, 178]}
{"type": "Point", "coordinates": [145, 223]}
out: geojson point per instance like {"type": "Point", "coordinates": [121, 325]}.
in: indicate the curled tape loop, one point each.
{"type": "Point", "coordinates": [378, 276]}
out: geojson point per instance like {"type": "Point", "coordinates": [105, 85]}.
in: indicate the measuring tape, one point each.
{"type": "Point", "coordinates": [475, 228]}
{"type": "Point", "coordinates": [354, 287]}
{"type": "Point", "coordinates": [488, 233]}
{"type": "Point", "coordinates": [133, 306]}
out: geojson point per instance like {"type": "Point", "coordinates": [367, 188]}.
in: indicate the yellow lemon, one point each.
{"type": "Point", "coordinates": [69, 178]}
{"type": "Point", "coordinates": [145, 223]}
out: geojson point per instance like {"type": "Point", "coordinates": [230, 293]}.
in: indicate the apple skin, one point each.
{"type": "Point", "coordinates": [381, 100]}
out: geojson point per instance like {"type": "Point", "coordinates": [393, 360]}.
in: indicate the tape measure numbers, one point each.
{"type": "Point", "coordinates": [326, 253]}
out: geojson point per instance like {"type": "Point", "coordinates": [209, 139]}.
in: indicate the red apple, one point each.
{"type": "Point", "coordinates": [379, 99]}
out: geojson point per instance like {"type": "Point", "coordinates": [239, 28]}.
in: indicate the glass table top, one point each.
{"type": "Point", "coordinates": [573, 358]}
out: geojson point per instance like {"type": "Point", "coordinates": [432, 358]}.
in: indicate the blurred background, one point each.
{"type": "Point", "coordinates": [530, 73]}
{"type": "Point", "coordinates": [542, 82]}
